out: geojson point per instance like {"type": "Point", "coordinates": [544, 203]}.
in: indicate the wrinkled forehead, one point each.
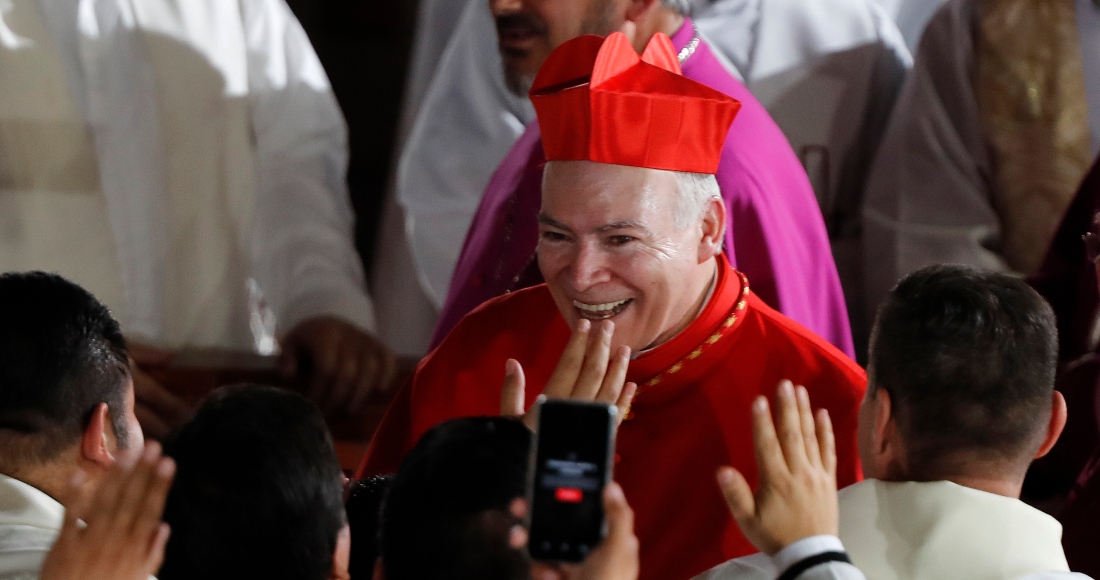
{"type": "Point", "coordinates": [588, 185]}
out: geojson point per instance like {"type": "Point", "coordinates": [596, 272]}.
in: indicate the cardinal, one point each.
{"type": "Point", "coordinates": [630, 238]}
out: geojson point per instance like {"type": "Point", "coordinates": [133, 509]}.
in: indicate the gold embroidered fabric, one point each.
{"type": "Point", "coordinates": [1031, 96]}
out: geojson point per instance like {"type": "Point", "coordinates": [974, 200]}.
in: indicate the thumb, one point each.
{"type": "Point", "coordinates": [738, 496]}
{"type": "Point", "coordinates": [620, 518]}
{"type": "Point", "coordinates": [513, 394]}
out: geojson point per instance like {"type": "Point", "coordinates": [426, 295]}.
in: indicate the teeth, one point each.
{"type": "Point", "coordinates": [599, 307]}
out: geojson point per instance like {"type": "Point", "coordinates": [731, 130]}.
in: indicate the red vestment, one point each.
{"type": "Point", "coordinates": [690, 416]}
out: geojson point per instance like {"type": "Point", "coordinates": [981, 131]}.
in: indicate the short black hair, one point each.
{"type": "Point", "coordinates": [258, 490]}
{"type": "Point", "coordinates": [968, 358]}
{"type": "Point", "coordinates": [61, 355]}
{"type": "Point", "coordinates": [446, 514]}
{"type": "Point", "coordinates": [364, 509]}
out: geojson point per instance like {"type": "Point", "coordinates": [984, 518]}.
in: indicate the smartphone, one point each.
{"type": "Point", "coordinates": [571, 462]}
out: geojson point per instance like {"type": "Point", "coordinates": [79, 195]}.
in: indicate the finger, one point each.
{"type": "Point", "coordinates": [349, 364]}
{"type": "Point", "coordinates": [769, 455]}
{"type": "Point", "coordinates": [565, 374]}
{"type": "Point", "coordinates": [612, 387]}
{"type": "Point", "coordinates": [152, 509]}
{"type": "Point", "coordinates": [152, 424]}
{"type": "Point", "coordinates": [620, 518]}
{"type": "Point", "coordinates": [738, 496]}
{"type": "Point", "coordinates": [151, 392]}
{"type": "Point", "coordinates": [789, 428]}
{"type": "Point", "coordinates": [324, 358]}
{"type": "Point", "coordinates": [513, 400]}
{"type": "Point", "coordinates": [368, 382]}
{"type": "Point", "coordinates": [626, 399]}
{"type": "Point", "coordinates": [155, 554]}
{"type": "Point", "coordinates": [595, 362]}
{"type": "Point", "coordinates": [517, 537]}
{"type": "Point", "coordinates": [110, 489]}
{"type": "Point", "coordinates": [809, 429]}
{"type": "Point", "coordinates": [518, 508]}
{"type": "Point", "coordinates": [827, 440]}
{"type": "Point", "coordinates": [131, 497]}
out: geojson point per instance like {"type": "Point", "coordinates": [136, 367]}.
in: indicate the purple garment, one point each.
{"type": "Point", "coordinates": [775, 231]}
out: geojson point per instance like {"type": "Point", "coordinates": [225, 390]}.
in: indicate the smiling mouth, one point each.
{"type": "Point", "coordinates": [601, 311]}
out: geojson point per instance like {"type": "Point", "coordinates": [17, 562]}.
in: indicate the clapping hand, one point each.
{"type": "Point", "coordinates": [796, 458]}
{"type": "Point", "coordinates": [586, 372]}
{"type": "Point", "coordinates": [114, 532]}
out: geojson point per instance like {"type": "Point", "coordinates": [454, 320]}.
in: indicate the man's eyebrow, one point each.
{"type": "Point", "coordinates": [623, 225]}
{"type": "Point", "coordinates": [549, 221]}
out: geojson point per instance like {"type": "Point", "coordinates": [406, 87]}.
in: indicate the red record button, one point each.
{"type": "Point", "coordinates": [568, 495]}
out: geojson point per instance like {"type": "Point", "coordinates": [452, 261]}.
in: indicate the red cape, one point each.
{"type": "Point", "coordinates": [691, 414]}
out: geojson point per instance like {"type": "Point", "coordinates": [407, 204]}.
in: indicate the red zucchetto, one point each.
{"type": "Point", "coordinates": [596, 100]}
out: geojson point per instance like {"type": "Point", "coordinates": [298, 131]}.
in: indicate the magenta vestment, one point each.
{"type": "Point", "coordinates": [775, 229]}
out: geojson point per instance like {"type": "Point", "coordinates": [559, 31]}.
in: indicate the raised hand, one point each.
{"type": "Point", "coordinates": [586, 372]}
{"type": "Point", "coordinates": [796, 459]}
{"type": "Point", "coordinates": [115, 532]}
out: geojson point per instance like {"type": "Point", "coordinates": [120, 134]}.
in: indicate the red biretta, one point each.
{"type": "Point", "coordinates": [631, 230]}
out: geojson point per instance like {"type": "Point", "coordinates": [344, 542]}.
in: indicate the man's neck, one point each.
{"type": "Point", "coordinates": [52, 479]}
{"type": "Point", "coordinates": [657, 19]}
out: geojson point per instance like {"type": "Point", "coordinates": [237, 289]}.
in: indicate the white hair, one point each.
{"type": "Point", "coordinates": [696, 192]}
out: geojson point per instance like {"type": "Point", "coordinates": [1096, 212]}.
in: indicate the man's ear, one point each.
{"type": "Point", "coordinates": [886, 443]}
{"type": "Point", "coordinates": [341, 557]}
{"type": "Point", "coordinates": [713, 230]}
{"type": "Point", "coordinates": [1058, 414]}
{"type": "Point", "coordinates": [98, 438]}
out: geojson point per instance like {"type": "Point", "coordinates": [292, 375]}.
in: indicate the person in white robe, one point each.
{"type": "Point", "coordinates": [66, 406]}
{"type": "Point", "coordinates": [185, 160]}
{"type": "Point", "coordinates": [994, 130]}
{"type": "Point", "coordinates": [960, 401]}
{"type": "Point", "coordinates": [911, 16]}
{"type": "Point", "coordinates": [828, 72]}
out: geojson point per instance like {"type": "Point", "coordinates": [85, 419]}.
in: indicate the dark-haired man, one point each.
{"type": "Point", "coordinates": [66, 405]}
{"type": "Point", "coordinates": [258, 491]}
{"type": "Point", "coordinates": [960, 401]}
{"type": "Point", "coordinates": [458, 497]}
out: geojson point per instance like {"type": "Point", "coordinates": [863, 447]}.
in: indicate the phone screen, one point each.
{"type": "Point", "coordinates": [570, 469]}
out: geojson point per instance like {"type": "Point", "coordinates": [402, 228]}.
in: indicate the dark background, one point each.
{"type": "Point", "coordinates": [365, 47]}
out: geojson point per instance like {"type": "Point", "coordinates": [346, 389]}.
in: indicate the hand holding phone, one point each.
{"type": "Point", "coordinates": [586, 372]}
{"type": "Point", "coordinates": [571, 464]}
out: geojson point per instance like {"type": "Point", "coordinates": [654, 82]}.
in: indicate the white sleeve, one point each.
{"type": "Point", "coordinates": [466, 124]}
{"type": "Point", "coordinates": [802, 560]}
{"type": "Point", "coordinates": [928, 196]}
{"type": "Point", "coordinates": [303, 253]}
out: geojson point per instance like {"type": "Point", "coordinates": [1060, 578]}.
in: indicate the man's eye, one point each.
{"type": "Point", "coordinates": [551, 236]}
{"type": "Point", "coordinates": [620, 240]}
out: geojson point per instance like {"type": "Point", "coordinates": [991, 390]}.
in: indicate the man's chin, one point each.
{"type": "Point", "coordinates": [518, 83]}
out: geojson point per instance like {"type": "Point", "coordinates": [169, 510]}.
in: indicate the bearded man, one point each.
{"type": "Point", "coordinates": [630, 235]}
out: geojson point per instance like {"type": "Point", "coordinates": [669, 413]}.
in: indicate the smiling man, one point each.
{"type": "Point", "coordinates": [630, 240]}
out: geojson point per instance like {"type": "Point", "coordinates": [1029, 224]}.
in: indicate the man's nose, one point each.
{"type": "Point", "coordinates": [498, 7]}
{"type": "Point", "coordinates": [589, 268]}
